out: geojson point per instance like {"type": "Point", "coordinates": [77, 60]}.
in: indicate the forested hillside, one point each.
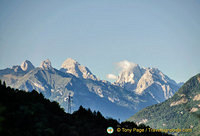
{"type": "Point", "coordinates": [30, 114]}
{"type": "Point", "coordinates": [179, 112]}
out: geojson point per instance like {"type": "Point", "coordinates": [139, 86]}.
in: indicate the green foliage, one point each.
{"type": "Point", "coordinates": [179, 116]}
{"type": "Point", "coordinates": [30, 114]}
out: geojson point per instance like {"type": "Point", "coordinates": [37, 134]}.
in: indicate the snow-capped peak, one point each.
{"type": "Point", "coordinates": [46, 64]}
{"type": "Point", "coordinates": [130, 73]}
{"type": "Point", "coordinates": [69, 63]}
{"type": "Point", "coordinates": [73, 67]}
{"type": "Point", "coordinates": [27, 66]}
{"type": "Point", "coordinates": [145, 81]}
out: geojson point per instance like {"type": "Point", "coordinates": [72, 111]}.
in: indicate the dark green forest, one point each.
{"type": "Point", "coordinates": [30, 114]}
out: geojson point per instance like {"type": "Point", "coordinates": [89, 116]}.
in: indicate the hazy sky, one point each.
{"type": "Point", "coordinates": [99, 33]}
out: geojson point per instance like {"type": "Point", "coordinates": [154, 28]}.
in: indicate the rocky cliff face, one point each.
{"type": "Point", "coordinates": [134, 89]}
{"type": "Point", "coordinates": [73, 67]}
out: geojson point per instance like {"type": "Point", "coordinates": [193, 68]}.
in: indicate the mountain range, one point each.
{"type": "Point", "coordinates": [134, 89]}
{"type": "Point", "coordinates": [30, 114]}
{"type": "Point", "coordinates": [181, 112]}
{"type": "Point", "coordinates": [149, 84]}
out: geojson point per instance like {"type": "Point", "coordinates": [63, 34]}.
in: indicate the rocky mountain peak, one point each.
{"type": "Point", "coordinates": [27, 66]}
{"type": "Point", "coordinates": [46, 65]}
{"type": "Point", "coordinates": [131, 73]}
{"type": "Point", "coordinates": [69, 63]}
{"type": "Point", "coordinates": [142, 81]}
{"type": "Point", "coordinates": [17, 69]}
{"type": "Point", "coordinates": [73, 67]}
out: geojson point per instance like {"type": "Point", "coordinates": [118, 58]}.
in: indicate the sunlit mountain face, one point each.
{"type": "Point", "coordinates": [180, 112]}
{"type": "Point", "coordinates": [134, 88]}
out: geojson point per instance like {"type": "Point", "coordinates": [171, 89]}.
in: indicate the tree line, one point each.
{"type": "Point", "coordinates": [30, 114]}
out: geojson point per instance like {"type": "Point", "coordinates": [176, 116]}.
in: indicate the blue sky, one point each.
{"type": "Point", "coordinates": [98, 34]}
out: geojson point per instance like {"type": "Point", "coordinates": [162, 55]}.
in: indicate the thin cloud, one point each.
{"type": "Point", "coordinates": [125, 65]}
{"type": "Point", "coordinates": [122, 66]}
{"type": "Point", "coordinates": [112, 76]}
